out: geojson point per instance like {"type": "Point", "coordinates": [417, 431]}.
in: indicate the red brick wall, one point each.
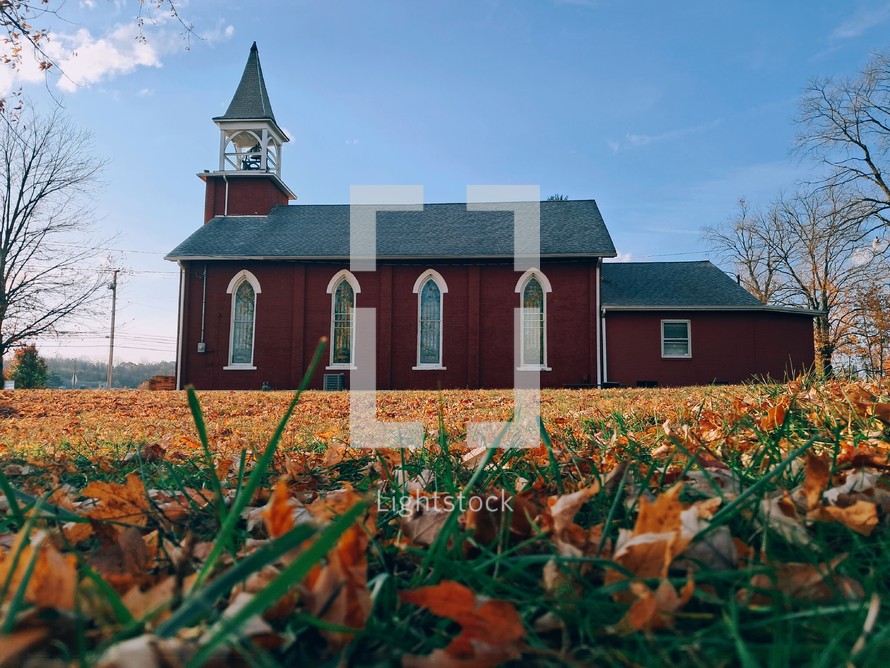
{"type": "Point", "coordinates": [294, 311]}
{"type": "Point", "coordinates": [248, 196]}
{"type": "Point", "coordinates": [726, 347]}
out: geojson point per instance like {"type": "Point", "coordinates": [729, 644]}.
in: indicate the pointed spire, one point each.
{"type": "Point", "coordinates": [251, 100]}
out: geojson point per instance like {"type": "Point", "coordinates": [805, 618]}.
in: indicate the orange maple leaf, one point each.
{"type": "Point", "coordinates": [278, 514]}
{"type": "Point", "coordinates": [491, 630]}
{"type": "Point", "coordinates": [126, 503]}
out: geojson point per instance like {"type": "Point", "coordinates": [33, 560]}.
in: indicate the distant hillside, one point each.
{"type": "Point", "coordinates": [92, 374]}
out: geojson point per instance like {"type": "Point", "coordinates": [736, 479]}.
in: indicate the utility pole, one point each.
{"type": "Point", "coordinates": [113, 288]}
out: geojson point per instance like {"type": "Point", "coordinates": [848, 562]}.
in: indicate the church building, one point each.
{"type": "Point", "coordinates": [263, 280]}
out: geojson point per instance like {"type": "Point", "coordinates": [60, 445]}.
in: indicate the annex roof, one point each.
{"type": "Point", "coordinates": [251, 99]}
{"type": "Point", "coordinates": [445, 231]}
{"type": "Point", "coordinates": [698, 285]}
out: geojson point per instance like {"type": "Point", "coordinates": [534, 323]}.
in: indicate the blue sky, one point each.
{"type": "Point", "coordinates": [665, 113]}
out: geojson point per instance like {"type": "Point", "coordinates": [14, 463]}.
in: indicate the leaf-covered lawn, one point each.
{"type": "Point", "coordinates": [700, 526]}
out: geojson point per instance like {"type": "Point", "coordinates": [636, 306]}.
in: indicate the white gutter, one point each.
{"type": "Point", "coordinates": [600, 334]}
{"type": "Point", "coordinates": [340, 258]}
{"type": "Point", "coordinates": [180, 337]}
{"type": "Point", "coordinates": [204, 304]}
{"type": "Point", "coordinates": [605, 350]}
{"type": "Point", "coordinates": [754, 309]}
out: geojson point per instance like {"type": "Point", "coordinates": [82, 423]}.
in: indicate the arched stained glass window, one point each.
{"type": "Point", "coordinates": [430, 331]}
{"type": "Point", "coordinates": [343, 323]}
{"type": "Point", "coordinates": [533, 323]}
{"type": "Point", "coordinates": [243, 316]}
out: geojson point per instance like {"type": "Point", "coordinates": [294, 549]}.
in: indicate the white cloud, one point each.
{"type": "Point", "coordinates": [621, 257]}
{"type": "Point", "coordinates": [83, 59]}
{"type": "Point", "coordinates": [146, 92]}
{"type": "Point", "coordinates": [645, 140]}
{"type": "Point", "coordinates": [352, 142]}
{"type": "Point", "coordinates": [862, 21]}
{"type": "Point", "coordinates": [88, 4]}
{"type": "Point", "coordinates": [637, 140]}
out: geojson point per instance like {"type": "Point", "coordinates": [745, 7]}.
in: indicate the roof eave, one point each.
{"type": "Point", "coordinates": [754, 307]}
{"type": "Point", "coordinates": [250, 174]}
{"type": "Point", "coordinates": [339, 258]}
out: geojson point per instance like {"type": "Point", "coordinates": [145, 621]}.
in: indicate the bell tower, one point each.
{"type": "Point", "coordinates": [248, 179]}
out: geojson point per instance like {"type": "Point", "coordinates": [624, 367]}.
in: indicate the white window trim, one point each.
{"type": "Point", "coordinates": [232, 289]}
{"type": "Point", "coordinates": [436, 277]}
{"type": "Point", "coordinates": [350, 278]}
{"type": "Point", "coordinates": [520, 288]}
{"type": "Point", "coordinates": [674, 321]}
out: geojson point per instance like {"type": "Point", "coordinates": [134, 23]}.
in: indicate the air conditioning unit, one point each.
{"type": "Point", "coordinates": [334, 381]}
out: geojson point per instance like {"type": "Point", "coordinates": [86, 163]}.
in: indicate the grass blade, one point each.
{"type": "Point", "coordinates": [246, 493]}
{"type": "Point", "coordinates": [203, 602]}
{"type": "Point", "coordinates": [198, 417]}
{"type": "Point", "coordinates": [291, 575]}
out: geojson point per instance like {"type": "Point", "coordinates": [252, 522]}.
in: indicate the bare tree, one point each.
{"type": "Point", "coordinates": [805, 250]}
{"type": "Point", "coordinates": [845, 123]}
{"type": "Point", "coordinates": [869, 344]}
{"type": "Point", "coordinates": [47, 176]}
{"type": "Point", "coordinates": [740, 244]}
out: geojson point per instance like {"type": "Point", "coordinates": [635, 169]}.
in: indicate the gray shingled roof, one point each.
{"type": "Point", "coordinates": [569, 228]}
{"type": "Point", "coordinates": [671, 284]}
{"type": "Point", "coordinates": [251, 100]}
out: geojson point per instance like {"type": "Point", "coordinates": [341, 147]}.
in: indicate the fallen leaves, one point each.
{"type": "Point", "coordinates": [491, 630]}
{"type": "Point", "coordinates": [645, 518]}
{"type": "Point", "coordinates": [50, 577]}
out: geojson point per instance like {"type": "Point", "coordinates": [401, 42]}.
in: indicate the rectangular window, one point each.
{"type": "Point", "coordinates": [676, 338]}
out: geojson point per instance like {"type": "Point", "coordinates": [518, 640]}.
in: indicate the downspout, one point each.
{"type": "Point", "coordinates": [599, 341]}
{"type": "Point", "coordinates": [181, 334]}
{"type": "Point", "coordinates": [202, 345]}
{"type": "Point", "coordinates": [226, 203]}
{"type": "Point", "coordinates": [605, 356]}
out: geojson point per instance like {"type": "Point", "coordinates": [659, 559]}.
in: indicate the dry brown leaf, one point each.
{"type": "Point", "coordinates": [278, 513]}
{"type": "Point", "coordinates": [337, 590]}
{"type": "Point", "coordinates": [143, 603]}
{"type": "Point", "coordinates": [654, 609]}
{"type": "Point", "coordinates": [816, 583]}
{"type": "Point", "coordinates": [126, 503]}
{"type": "Point", "coordinates": [656, 539]}
{"type": "Point", "coordinates": [423, 516]}
{"type": "Point", "coordinates": [491, 630]}
{"type": "Point", "coordinates": [122, 559]}
{"type": "Point", "coordinates": [882, 411]}
{"type": "Point", "coordinates": [17, 643]}
{"type": "Point", "coordinates": [860, 516]}
{"type": "Point", "coordinates": [485, 515]}
{"type": "Point", "coordinates": [818, 472]}
{"type": "Point", "coordinates": [52, 582]}
{"type": "Point", "coordinates": [780, 515]}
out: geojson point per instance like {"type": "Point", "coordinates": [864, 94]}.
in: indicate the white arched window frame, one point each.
{"type": "Point", "coordinates": [244, 288]}
{"type": "Point", "coordinates": [533, 285]}
{"type": "Point", "coordinates": [430, 288]}
{"type": "Point", "coordinates": [343, 288]}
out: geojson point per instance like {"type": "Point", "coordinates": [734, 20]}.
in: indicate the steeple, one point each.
{"type": "Point", "coordinates": [251, 100]}
{"type": "Point", "coordinates": [250, 138]}
{"type": "Point", "coordinates": [248, 179]}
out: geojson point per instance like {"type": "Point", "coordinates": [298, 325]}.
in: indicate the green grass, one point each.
{"type": "Point", "coordinates": [720, 626]}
